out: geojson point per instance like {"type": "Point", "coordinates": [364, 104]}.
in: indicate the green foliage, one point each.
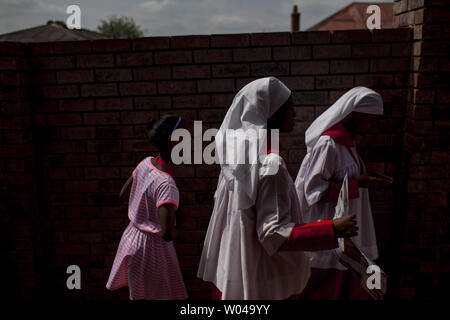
{"type": "Point", "coordinates": [120, 28]}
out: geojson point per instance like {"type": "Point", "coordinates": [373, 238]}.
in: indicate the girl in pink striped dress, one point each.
{"type": "Point", "coordinates": [146, 260]}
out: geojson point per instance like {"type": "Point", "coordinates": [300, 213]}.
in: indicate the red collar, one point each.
{"type": "Point", "coordinates": [339, 134]}
{"type": "Point", "coordinates": [164, 164]}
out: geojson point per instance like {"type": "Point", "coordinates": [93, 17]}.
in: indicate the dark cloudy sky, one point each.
{"type": "Point", "coordinates": [173, 17]}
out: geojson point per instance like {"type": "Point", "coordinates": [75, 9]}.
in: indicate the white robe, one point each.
{"type": "Point", "coordinates": [325, 161]}
{"type": "Point", "coordinates": [240, 251]}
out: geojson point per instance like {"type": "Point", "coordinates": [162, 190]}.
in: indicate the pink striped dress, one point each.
{"type": "Point", "coordinates": [144, 261]}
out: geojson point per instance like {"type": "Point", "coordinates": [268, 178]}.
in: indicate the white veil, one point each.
{"type": "Point", "coordinates": [249, 111]}
{"type": "Point", "coordinates": [358, 99]}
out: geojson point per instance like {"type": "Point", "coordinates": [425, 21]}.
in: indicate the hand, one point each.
{"type": "Point", "coordinates": [345, 227]}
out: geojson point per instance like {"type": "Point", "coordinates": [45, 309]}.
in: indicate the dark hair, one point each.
{"type": "Point", "coordinates": [159, 131]}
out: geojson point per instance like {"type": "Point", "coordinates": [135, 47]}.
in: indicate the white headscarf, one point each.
{"type": "Point", "coordinates": [250, 109]}
{"type": "Point", "coordinates": [358, 99]}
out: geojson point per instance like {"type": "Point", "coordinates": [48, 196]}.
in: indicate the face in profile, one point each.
{"type": "Point", "coordinates": [284, 118]}
{"type": "Point", "coordinates": [363, 122]}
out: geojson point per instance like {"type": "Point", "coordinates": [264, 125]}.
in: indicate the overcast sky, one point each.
{"type": "Point", "coordinates": [174, 17]}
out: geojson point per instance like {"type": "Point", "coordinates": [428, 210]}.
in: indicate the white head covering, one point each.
{"type": "Point", "coordinates": [358, 99]}
{"type": "Point", "coordinates": [250, 109]}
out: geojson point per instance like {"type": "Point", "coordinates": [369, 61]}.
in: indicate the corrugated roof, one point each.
{"type": "Point", "coordinates": [354, 16]}
{"type": "Point", "coordinates": [52, 31]}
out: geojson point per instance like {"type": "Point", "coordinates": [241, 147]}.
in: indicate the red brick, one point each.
{"type": "Point", "coordinates": [182, 42]}
{"type": "Point", "coordinates": [309, 67]}
{"type": "Point", "coordinates": [292, 53]}
{"type": "Point", "coordinates": [270, 69]}
{"type": "Point", "coordinates": [388, 65]}
{"type": "Point", "coordinates": [335, 51]}
{"type": "Point", "coordinates": [222, 85]}
{"type": "Point", "coordinates": [311, 37]}
{"type": "Point", "coordinates": [391, 35]}
{"type": "Point", "coordinates": [252, 54]}
{"type": "Point", "coordinates": [78, 133]}
{"type": "Point", "coordinates": [102, 173]}
{"type": "Point", "coordinates": [270, 39]}
{"type": "Point", "coordinates": [75, 76]}
{"type": "Point", "coordinates": [71, 47]}
{"type": "Point", "coordinates": [191, 101]}
{"type": "Point", "coordinates": [13, 48]}
{"type": "Point", "coordinates": [173, 57]}
{"type": "Point", "coordinates": [222, 100]}
{"type": "Point", "coordinates": [349, 66]}
{"type": "Point", "coordinates": [115, 132]}
{"type": "Point", "coordinates": [401, 49]}
{"type": "Point", "coordinates": [41, 48]}
{"type": "Point", "coordinates": [19, 63]}
{"type": "Point", "coordinates": [76, 105]}
{"type": "Point", "coordinates": [374, 80]}
{"type": "Point", "coordinates": [310, 98]}
{"type": "Point", "coordinates": [81, 186]}
{"type": "Point", "coordinates": [110, 45]}
{"type": "Point", "coordinates": [176, 87]}
{"type": "Point", "coordinates": [114, 103]}
{"type": "Point", "coordinates": [100, 146]}
{"type": "Point", "coordinates": [60, 92]}
{"type": "Point", "coordinates": [135, 117]}
{"type": "Point", "coordinates": [44, 77]}
{"type": "Point", "coordinates": [230, 70]}
{"type": "Point", "coordinates": [83, 160]}
{"type": "Point", "coordinates": [94, 118]}
{"type": "Point", "coordinates": [134, 59]}
{"type": "Point", "coordinates": [95, 61]}
{"type": "Point", "coordinates": [436, 15]}
{"type": "Point", "coordinates": [151, 43]}
{"type": "Point", "coordinates": [67, 147]}
{"type": "Point", "coordinates": [99, 90]}
{"type": "Point", "coordinates": [115, 159]}
{"type": "Point", "coordinates": [334, 82]}
{"type": "Point", "coordinates": [230, 40]}
{"type": "Point", "coordinates": [75, 249]}
{"type": "Point", "coordinates": [371, 50]}
{"type": "Point", "coordinates": [137, 88]}
{"type": "Point", "coordinates": [81, 212]}
{"type": "Point", "coordinates": [349, 36]}
{"type": "Point", "coordinates": [136, 145]}
{"type": "Point", "coordinates": [191, 72]}
{"type": "Point", "coordinates": [212, 114]}
{"type": "Point", "coordinates": [213, 55]}
{"type": "Point", "coordinates": [109, 75]}
{"type": "Point", "coordinates": [152, 73]}
{"type": "Point", "coordinates": [154, 102]}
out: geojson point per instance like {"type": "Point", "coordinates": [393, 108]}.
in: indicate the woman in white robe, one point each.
{"type": "Point", "coordinates": [254, 245]}
{"type": "Point", "coordinates": [331, 153]}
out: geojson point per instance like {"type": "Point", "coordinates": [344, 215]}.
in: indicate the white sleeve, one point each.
{"type": "Point", "coordinates": [319, 170]}
{"type": "Point", "coordinates": [273, 216]}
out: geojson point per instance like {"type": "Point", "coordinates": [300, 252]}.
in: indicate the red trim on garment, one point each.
{"type": "Point", "coordinates": [342, 136]}
{"type": "Point", "coordinates": [332, 194]}
{"type": "Point", "coordinates": [339, 134]}
{"type": "Point", "coordinates": [163, 164]}
{"type": "Point", "coordinates": [311, 237]}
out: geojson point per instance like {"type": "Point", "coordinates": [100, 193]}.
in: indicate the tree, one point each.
{"type": "Point", "coordinates": [120, 28]}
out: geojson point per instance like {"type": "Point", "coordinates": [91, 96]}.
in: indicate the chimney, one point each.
{"type": "Point", "coordinates": [295, 19]}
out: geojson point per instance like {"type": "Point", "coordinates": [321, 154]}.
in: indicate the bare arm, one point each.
{"type": "Point", "coordinates": [125, 187]}
{"type": "Point", "coordinates": [167, 220]}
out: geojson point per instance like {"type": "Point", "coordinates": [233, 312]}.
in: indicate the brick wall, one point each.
{"type": "Point", "coordinates": [19, 226]}
{"type": "Point", "coordinates": [425, 266]}
{"type": "Point", "coordinates": [88, 102]}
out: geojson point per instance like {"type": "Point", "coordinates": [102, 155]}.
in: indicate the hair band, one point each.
{"type": "Point", "coordinates": [178, 123]}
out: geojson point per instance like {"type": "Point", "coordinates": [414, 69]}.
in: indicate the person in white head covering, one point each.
{"type": "Point", "coordinates": [256, 237]}
{"type": "Point", "coordinates": [331, 153]}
